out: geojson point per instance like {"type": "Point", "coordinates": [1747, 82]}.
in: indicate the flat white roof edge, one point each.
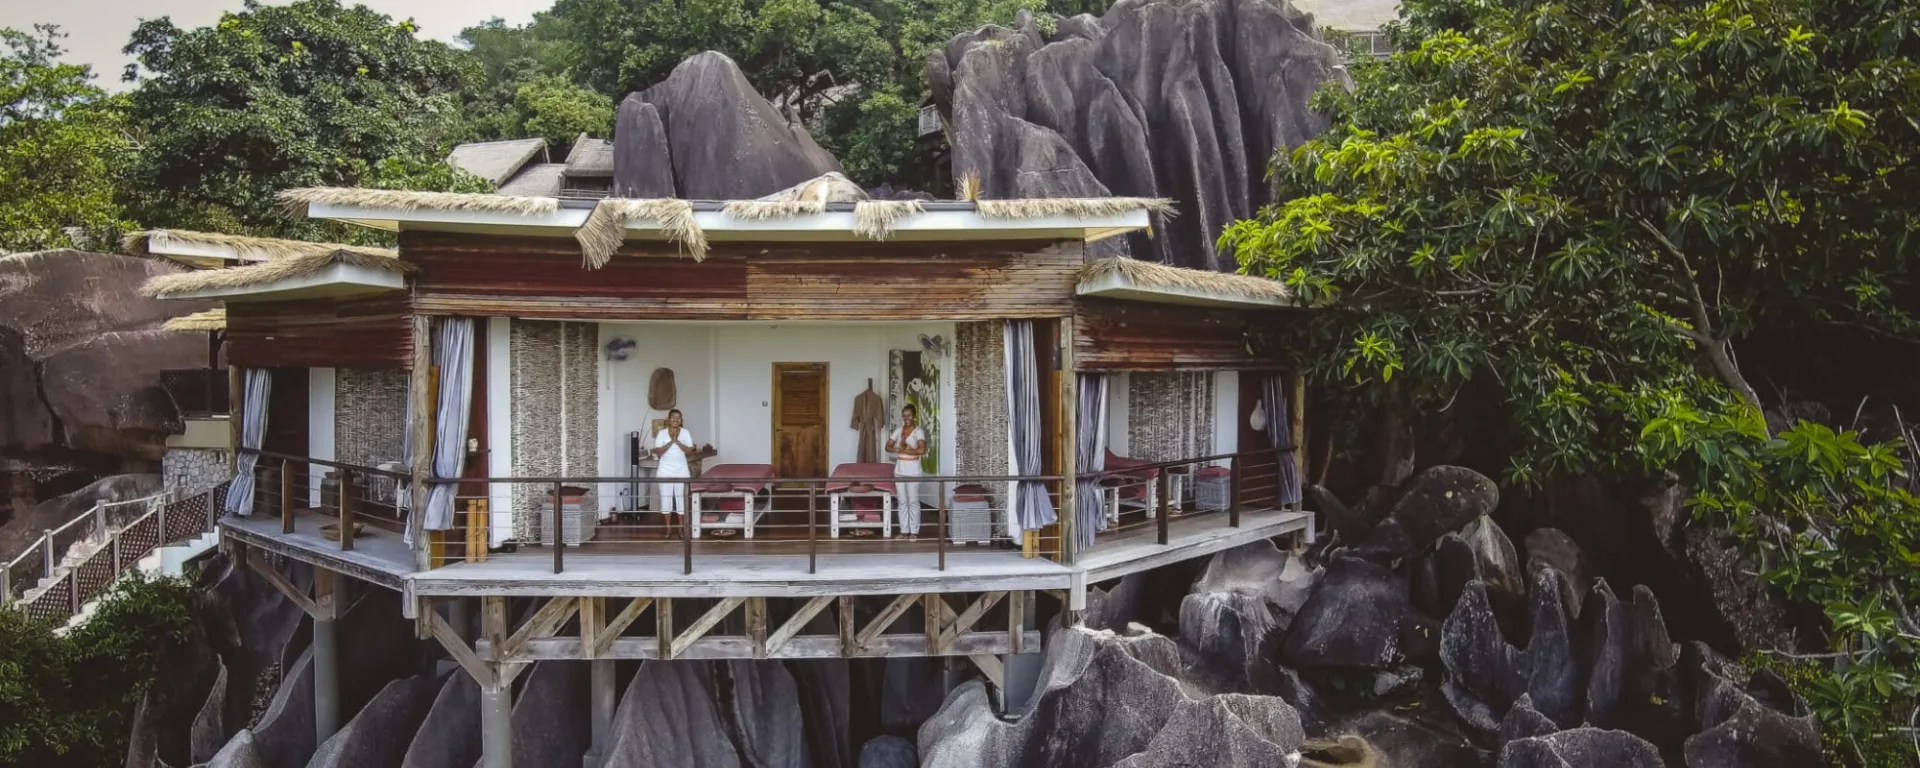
{"type": "Point", "coordinates": [1117, 286]}
{"type": "Point", "coordinates": [1091, 227]}
{"type": "Point", "coordinates": [336, 274]}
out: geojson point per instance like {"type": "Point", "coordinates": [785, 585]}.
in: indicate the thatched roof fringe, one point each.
{"type": "Point", "coordinates": [1149, 274]}
{"type": "Point", "coordinates": [1082, 207]}
{"type": "Point", "coordinates": [759, 210]}
{"type": "Point", "coordinates": [874, 219]}
{"type": "Point", "coordinates": [209, 320]}
{"type": "Point", "coordinates": [606, 228]}
{"type": "Point", "coordinates": [168, 286]}
{"type": "Point", "coordinates": [297, 201]}
{"type": "Point", "coordinates": [245, 247]}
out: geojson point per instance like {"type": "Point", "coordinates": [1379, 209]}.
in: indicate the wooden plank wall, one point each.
{"type": "Point", "coordinates": [374, 332]}
{"type": "Point", "coordinates": [541, 277]}
{"type": "Point", "coordinates": [1113, 335]}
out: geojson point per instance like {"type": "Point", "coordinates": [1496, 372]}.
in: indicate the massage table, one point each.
{"type": "Point", "coordinates": [735, 489]}
{"type": "Point", "coordinates": [1133, 481]}
{"type": "Point", "coordinates": [868, 498]}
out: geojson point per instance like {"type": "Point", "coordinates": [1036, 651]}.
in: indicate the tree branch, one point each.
{"type": "Point", "coordinates": [1719, 351]}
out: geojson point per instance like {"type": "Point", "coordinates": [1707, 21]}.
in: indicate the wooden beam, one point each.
{"type": "Point", "coordinates": [544, 622]}
{"type": "Point", "coordinates": [420, 436]}
{"type": "Point", "coordinates": [619, 623]}
{"type": "Point", "coordinates": [493, 624]}
{"type": "Point", "coordinates": [794, 624]}
{"type": "Point", "coordinates": [990, 666]}
{"type": "Point", "coordinates": [1069, 439]}
{"type": "Point", "coordinates": [1298, 416]}
{"type": "Point", "coordinates": [894, 645]}
{"type": "Point", "coordinates": [326, 597]}
{"type": "Point", "coordinates": [704, 624]}
{"type": "Point", "coordinates": [482, 672]}
{"type": "Point", "coordinates": [885, 620]}
{"type": "Point", "coordinates": [295, 594]}
{"type": "Point", "coordinates": [849, 639]}
{"type": "Point", "coordinates": [968, 617]}
{"type": "Point", "coordinates": [663, 627]}
{"type": "Point", "coordinates": [593, 622]}
{"type": "Point", "coordinates": [757, 625]}
{"type": "Point", "coordinates": [1016, 619]}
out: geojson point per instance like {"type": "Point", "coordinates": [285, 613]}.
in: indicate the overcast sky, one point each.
{"type": "Point", "coordinates": [98, 29]}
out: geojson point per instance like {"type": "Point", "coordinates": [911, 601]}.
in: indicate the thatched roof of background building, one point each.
{"type": "Point", "coordinates": [1079, 207]}
{"type": "Point", "coordinates": [590, 157]}
{"type": "Point", "coordinates": [170, 286]}
{"type": "Point", "coordinates": [495, 161]}
{"type": "Point", "coordinates": [209, 320]}
{"type": "Point", "coordinates": [242, 246]}
{"type": "Point", "coordinates": [1147, 274]}
{"type": "Point", "coordinates": [537, 180]}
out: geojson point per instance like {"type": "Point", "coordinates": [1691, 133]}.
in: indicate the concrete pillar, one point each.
{"type": "Point", "coordinates": [1022, 670]}
{"type": "Point", "coordinates": [496, 726]}
{"type": "Point", "coordinates": [326, 680]}
{"type": "Point", "coordinates": [603, 703]}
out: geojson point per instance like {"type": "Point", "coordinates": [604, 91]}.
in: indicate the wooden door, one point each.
{"type": "Point", "coordinates": [800, 419]}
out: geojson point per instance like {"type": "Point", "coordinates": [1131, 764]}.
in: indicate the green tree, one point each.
{"type": "Point", "coordinates": [61, 140]}
{"type": "Point", "coordinates": [558, 111]}
{"type": "Point", "coordinates": [68, 699]}
{"type": "Point", "coordinates": [1590, 207]}
{"type": "Point", "coordinates": [276, 97]}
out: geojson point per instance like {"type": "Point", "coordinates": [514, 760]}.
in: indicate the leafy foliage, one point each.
{"type": "Point", "coordinates": [60, 140]}
{"type": "Point", "coordinates": [69, 700]}
{"type": "Point", "coordinates": [276, 97]}
{"type": "Point", "coordinates": [1592, 204]}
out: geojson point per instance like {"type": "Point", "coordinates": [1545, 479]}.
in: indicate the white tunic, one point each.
{"type": "Point", "coordinates": [915, 441]}
{"type": "Point", "coordinates": [673, 463]}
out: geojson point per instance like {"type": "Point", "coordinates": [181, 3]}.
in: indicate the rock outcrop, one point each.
{"type": "Point", "coordinates": [704, 134]}
{"type": "Point", "coordinates": [1155, 98]}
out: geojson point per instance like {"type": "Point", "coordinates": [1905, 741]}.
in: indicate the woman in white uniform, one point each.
{"type": "Point", "coordinates": [907, 445]}
{"type": "Point", "coordinates": [672, 446]}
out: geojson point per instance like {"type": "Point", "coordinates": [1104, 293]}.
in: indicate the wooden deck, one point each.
{"type": "Point", "coordinates": [763, 568]}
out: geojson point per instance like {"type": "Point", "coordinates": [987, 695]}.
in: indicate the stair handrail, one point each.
{"type": "Point", "coordinates": [157, 504]}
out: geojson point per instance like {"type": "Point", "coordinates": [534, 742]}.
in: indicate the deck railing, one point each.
{"type": "Point", "coordinates": [810, 517]}
{"type": "Point", "coordinates": [80, 559]}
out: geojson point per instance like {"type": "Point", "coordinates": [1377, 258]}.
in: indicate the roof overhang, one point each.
{"type": "Point", "coordinates": [940, 220]}
{"type": "Point", "coordinates": [193, 253]}
{"type": "Point", "coordinates": [1117, 285]}
{"type": "Point", "coordinates": [333, 281]}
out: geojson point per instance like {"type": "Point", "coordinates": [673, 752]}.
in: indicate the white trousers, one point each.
{"type": "Point", "coordinates": [673, 496]}
{"type": "Point", "coordinates": [908, 474]}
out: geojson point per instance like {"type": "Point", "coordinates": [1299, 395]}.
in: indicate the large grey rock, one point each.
{"type": "Point", "coordinates": [1761, 724]}
{"type": "Point", "coordinates": [642, 162]}
{"type": "Point", "coordinates": [380, 733]}
{"type": "Point", "coordinates": [1403, 743]}
{"type": "Point", "coordinates": [1552, 548]}
{"type": "Point", "coordinates": [911, 690]}
{"type": "Point", "coordinates": [1632, 683]}
{"type": "Point", "coordinates": [26, 526]}
{"type": "Point", "coordinates": [1359, 616]}
{"type": "Point", "coordinates": [1072, 720]}
{"type": "Point", "coordinates": [209, 732]}
{"type": "Point", "coordinates": [672, 714]}
{"type": "Point", "coordinates": [551, 725]}
{"type": "Point", "coordinates": [1581, 748]}
{"type": "Point", "coordinates": [82, 352]}
{"type": "Point", "coordinates": [1495, 559]}
{"type": "Point", "coordinates": [1440, 500]}
{"type": "Point", "coordinates": [1523, 721]}
{"type": "Point", "coordinates": [449, 736]}
{"type": "Point", "coordinates": [285, 733]}
{"type": "Point", "coordinates": [724, 140]}
{"type": "Point", "coordinates": [376, 648]}
{"type": "Point", "coordinates": [889, 752]}
{"type": "Point", "coordinates": [241, 752]}
{"type": "Point", "coordinates": [1486, 675]}
{"type": "Point", "coordinates": [825, 691]}
{"type": "Point", "coordinates": [1183, 100]}
{"type": "Point", "coordinates": [1241, 606]}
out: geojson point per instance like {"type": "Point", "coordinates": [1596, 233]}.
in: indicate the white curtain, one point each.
{"type": "Point", "coordinates": [1032, 507]}
{"type": "Point", "coordinates": [256, 386]}
{"type": "Point", "coordinates": [1090, 448]}
{"type": "Point", "coordinates": [453, 355]}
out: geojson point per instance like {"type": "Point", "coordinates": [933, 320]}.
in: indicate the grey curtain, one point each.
{"type": "Point", "coordinates": [255, 388]}
{"type": "Point", "coordinates": [1090, 450]}
{"type": "Point", "coordinates": [1280, 431]}
{"type": "Point", "coordinates": [453, 355]}
{"type": "Point", "coordinates": [1032, 507]}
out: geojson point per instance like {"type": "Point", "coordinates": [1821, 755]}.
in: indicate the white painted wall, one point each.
{"type": "Point", "coordinates": [320, 399]}
{"type": "Point", "coordinates": [1119, 414]}
{"type": "Point", "coordinates": [724, 374]}
{"type": "Point", "coordinates": [1226, 416]}
{"type": "Point", "coordinates": [499, 407]}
